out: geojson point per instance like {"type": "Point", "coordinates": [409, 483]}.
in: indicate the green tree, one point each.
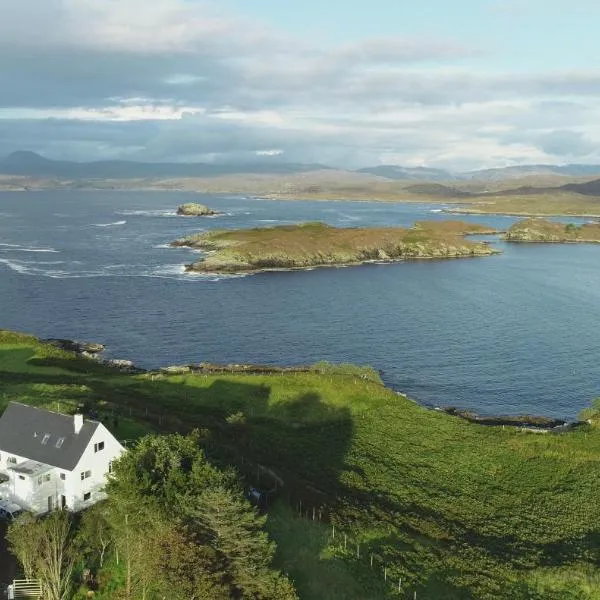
{"type": "Point", "coordinates": [169, 507]}
{"type": "Point", "coordinates": [47, 549]}
{"type": "Point", "coordinates": [236, 531]}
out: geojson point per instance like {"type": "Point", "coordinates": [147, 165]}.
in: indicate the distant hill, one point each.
{"type": "Point", "coordinates": [32, 164]}
{"type": "Point", "coordinates": [590, 188]}
{"type": "Point", "coordinates": [436, 189]}
{"type": "Point", "coordinates": [519, 172]}
{"type": "Point", "coordinates": [409, 173]}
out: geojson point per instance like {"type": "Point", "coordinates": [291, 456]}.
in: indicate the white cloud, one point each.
{"type": "Point", "coordinates": [173, 79]}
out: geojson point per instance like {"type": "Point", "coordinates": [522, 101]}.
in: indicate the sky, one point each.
{"type": "Point", "coordinates": [460, 85]}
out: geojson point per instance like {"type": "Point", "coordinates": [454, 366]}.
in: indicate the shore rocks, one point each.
{"type": "Point", "coordinates": [192, 209]}
{"type": "Point", "coordinates": [86, 348]}
{"type": "Point", "coordinates": [528, 421]}
{"type": "Point", "coordinates": [176, 370]}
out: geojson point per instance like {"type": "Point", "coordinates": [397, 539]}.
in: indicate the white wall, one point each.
{"type": "Point", "coordinates": [26, 490]}
{"type": "Point", "coordinates": [98, 464]}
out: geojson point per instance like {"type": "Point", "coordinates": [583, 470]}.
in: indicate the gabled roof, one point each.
{"type": "Point", "coordinates": [44, 436]}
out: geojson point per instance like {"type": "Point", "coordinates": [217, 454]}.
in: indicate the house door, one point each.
{"type": "Point", "coordinates": [50, 503]}
{"type": "Point", "coordinates": [63, 501]}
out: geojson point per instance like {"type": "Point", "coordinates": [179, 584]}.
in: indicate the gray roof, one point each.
{"type": "Point", "coordinates": [35, 434]}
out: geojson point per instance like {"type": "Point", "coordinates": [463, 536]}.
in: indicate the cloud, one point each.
{"type": "Point", "coordinates": [179, 80]}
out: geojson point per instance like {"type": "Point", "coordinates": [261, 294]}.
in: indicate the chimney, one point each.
{"type": "Point", "coordinates": [78, 422]}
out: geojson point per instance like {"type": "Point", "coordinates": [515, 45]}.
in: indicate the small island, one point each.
{"type": "Point", "coordinates": [192, 209]}
{"type": "Point", "coordinates": [544, 231]}
{"type": "Point", "coordinates": [310, 245]}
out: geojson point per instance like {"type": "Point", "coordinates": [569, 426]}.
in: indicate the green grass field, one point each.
{"type": "Point", "coordinates": [458, 511]}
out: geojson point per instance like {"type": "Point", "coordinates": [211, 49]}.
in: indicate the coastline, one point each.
{"type": "Point", "coordinates": [535, 423]}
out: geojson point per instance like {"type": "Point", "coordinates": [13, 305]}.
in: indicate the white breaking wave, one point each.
{"type": "Point", "coordinates": [19, 249]}
{"type": "Point", "coordinates": [10, 245]}
{"type": "Point", "coordinates": [436, 210]}
{"type": "Point", "coordinates": [148, 213]}
{"type": "Point", "coordinates": [109, 224]}
{"type": "Point", "coordinates": [170, 271]}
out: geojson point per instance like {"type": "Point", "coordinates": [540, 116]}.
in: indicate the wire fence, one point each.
{"type": "Point", "coordinates": [304, 501]}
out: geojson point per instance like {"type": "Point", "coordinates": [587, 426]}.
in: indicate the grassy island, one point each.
{"type": "Point", "coordinates": [310, 245]}
{"type": "Point", "coordinates": [456, 510]}
{"type": "Point", "coordinates": [542, 230]}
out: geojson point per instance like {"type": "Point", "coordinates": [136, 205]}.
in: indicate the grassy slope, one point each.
{"type": "Point", "coordinates": [544, 204]}
{"type": "Point", "coordinates": [459, 511]}
{"type": "Point", "coordinates": [316, 244]}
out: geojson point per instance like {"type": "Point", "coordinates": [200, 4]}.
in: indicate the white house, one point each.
{"type": "Point", "coordinates": [49, 460]}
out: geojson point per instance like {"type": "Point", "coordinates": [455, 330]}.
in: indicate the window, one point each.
{"type": "Point", "coordinates": [87, 496]}
{"type": "Point", "coordinates": [110, 466]}
{"type": "Point", "coordinates": [63, 476]}
{"type": "Point", "coordinates": [99, 446]}
{"type": "Point", "coordinates": [47, 477]}
{"type": "Point", "coordinates": [40, 480]}
{"type": "Point", "coordinates": [45, 439]}
{"type": "Point", "coordinates": [12, 460]}
{"type": "Point", "coordinates": [21, 477]}
{"type": "Point", "coordinates": [60, 442]}
{"type": "Point", "coordinates": [85, 475]}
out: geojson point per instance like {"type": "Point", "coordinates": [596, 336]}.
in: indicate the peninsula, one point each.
{"type": "Point", "coordinates": [309, 245]}
{"type": "Point", "coordinates": [542, 230]}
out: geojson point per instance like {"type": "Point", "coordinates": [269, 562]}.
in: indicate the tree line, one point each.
{"type": "Point", "coordinates": [173, 527]}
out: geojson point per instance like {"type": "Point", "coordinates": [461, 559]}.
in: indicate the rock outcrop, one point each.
{"type": "Point", "coordinates": [192, 209]}
{"type": "Point", "coordinates": [542, 230]}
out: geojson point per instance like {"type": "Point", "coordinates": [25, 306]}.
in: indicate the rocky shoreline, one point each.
{"type": "Point", "coordinates": [93, 351]}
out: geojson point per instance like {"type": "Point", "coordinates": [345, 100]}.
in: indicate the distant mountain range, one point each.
{"type": "Point", "coordinates": [409, 173]}
{"type": "Point", "coordinates": [31, 164]}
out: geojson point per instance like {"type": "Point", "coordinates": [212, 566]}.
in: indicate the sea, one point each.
{"type": "Point", "coordinates": [516, 333]}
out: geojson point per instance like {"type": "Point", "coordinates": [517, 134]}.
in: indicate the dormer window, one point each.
{"type": "Point", "coordinates": [99, 447]}
{"type": "Point", "coordinates": [45, 439]}
{"type": "Point", "coordinates": [60, 442]}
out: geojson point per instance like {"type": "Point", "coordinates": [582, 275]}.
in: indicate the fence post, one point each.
{"type": "Point", "coordinates": [345, 541]}
{"type": "Point", "coordinates": [371, 561]}
{"type": "Point", "coordinates": [333, 531]}
{"type": "Point", "coordinates": [385, 573]}
{"type": "Point", "coordinates": [357, 550]}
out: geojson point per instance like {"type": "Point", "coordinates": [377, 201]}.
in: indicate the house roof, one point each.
{"type": "Point", "coordinates": [44, 436]}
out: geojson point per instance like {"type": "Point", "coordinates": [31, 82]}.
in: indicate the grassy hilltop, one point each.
{"type": "Point", "coordinates": [316, 245]}
{"type": "Point", "coordinates": [458, 511]}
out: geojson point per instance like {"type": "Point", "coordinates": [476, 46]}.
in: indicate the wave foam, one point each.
{"type": "Point", "coordinates": [109, 224]}
{"type": "Point", "coordinates": [19, 249]}
{"type": "Point", "coordinates": [169, 271]}
{"type": "Point", "coordinates": [148, 213]}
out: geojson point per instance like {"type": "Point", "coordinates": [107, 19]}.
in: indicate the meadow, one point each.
{"type": "Point", "coordinates": [456, 510]}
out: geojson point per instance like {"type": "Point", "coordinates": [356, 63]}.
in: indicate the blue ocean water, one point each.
{"type": "Point", "coordinates": [509, 334]}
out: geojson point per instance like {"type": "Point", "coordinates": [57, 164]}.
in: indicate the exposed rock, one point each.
{"type": "Point", "coordinates": [83, 348]}
{"type": "Point", "coordinates": [176, 369]}
{"type": "Point", "coordinates": [126, 366]}
{"type": "Point", "coordinates": [192, 209]}
{"type": "Point", "coordinates": [528, 421]}
{"type": "Point", "coordinates": [542, 230]}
